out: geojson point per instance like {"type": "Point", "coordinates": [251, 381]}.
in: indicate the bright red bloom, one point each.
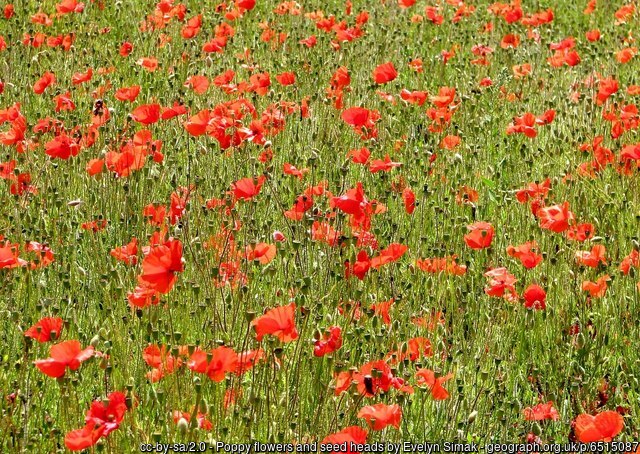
{"type": "Point", "coordinates": [46, 329]}
{"type": "Point", "coordinates": [128, 93]}
{"type": "Point", "coordinates": [146, 114]}
{"type": "Point", "coordinates": [409, 199]}
{"type": "Point", "coordinates": [594, 257]}
{"type": "Point", "coordinates": [606, 88]}
{"type": "Point", "coordinates": [535, 297]}
{"type": "Point", "coordinates": [330, 342]}
{"type": "Point", "coordinates": [288, 78]}
{"type": "Point", "coordinates": [501, 283]}
{"type": "Point", "coordinates": [428, 378]}
{"type": "Point", "coordinates": [556, 218]}
{"type": "Point", "coordinates": [80, 439]}
{"type": "Point", "coordinates": [602, 427]}
{"type": "Point", "coordinates": [127, 253]}
{"type": "Point", "coordinates": [352, 434]}
{"type": "Point", "coordinates": [527, 253]}
{"type": "Point", "coordinates": [108, 414]}
{"type": "Point", "coordinates": [597, 289]}
{"type": "Point", "coordinates": [384, 73]}
{"type": "Point", "coordinates": [160, 266]}
{"type": "Point", "coordinates": [480, 235]}
{"type": "Point", "coordinates": [278, 322]}
{"type": "Point", "coordinates": [392, 253]}
{"type": "Point", "coordinates": [223, 360]}
{"type": "Point", "coordinates": [203, 422]}
{"type": "Point", "coordinates": [62, 147]}
{"type": "Point", "coordinates": [379, 416]}
{"type": "Point", "coordinates": [65, 354]}
{"type": "Point", "coordinates": [541, 412]}
{"type": "Point", "coordinates": [161, 362]}
{"type": "Point", "coordinates": [41, 85]}
{"type": "Point", "coordinates": [247, 188]}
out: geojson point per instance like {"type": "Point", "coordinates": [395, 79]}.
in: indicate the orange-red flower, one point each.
{"type": "Point", "coordinates": [428, 378]}
{"type": "Point", "coordinates": [601, 427]}
{"type": "Point", "coordinates": [480, 235]}
{"type": "Point", "coordinates": [46, 329]}
{"type": "Point", "coordinates": [68, 354]}
{"type": "Point", "coordinates": [278, 322]}
{"type": "Point", "coordinates": [379, 416]}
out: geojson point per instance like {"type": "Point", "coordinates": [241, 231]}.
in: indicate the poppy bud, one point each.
{"type": "Point", "coordinates": [278, 236]}
{"type": "Point", "coordinates": [472, 417]}
{"type": "Point", "coordinates": [94, 340]}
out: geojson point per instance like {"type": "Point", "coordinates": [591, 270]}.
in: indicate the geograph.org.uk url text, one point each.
{"type": "Point", "coordinates": [393, 448]}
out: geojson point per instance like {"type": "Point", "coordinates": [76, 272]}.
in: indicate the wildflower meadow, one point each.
{"type": "Point", "coordinates": [260, 226]}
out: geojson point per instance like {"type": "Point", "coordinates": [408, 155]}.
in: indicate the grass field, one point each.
{"type": "Point", "coordinates": [318, 221]}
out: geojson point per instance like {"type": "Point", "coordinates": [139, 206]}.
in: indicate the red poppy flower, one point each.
{"type": "Point", "coordinates": [348, 435]}
{"type": "Point", "coordinates": [602, 427]}
{"type": "Point", "coordinates": [62, 147]}
{"type": "Point", "coordinates": [46, 329]}
{"type": "Point", "coordinates": [288, 78]}
{"type": "Point", "coordinates": [428, 377]}
{"type": "Point", "coordinates": [535, 297]}
{"type": "Point", "coordinates": [555, 218]}
{"type": "Point", "coordinates": [247, 188]}
{"type": "Point", "coordinates": [108, 414]}
{"type": "Point", "coordinates": [127, 253]}
{"type": "Point", "coordinates": [597, 289]}
{"type": "Point", "coordinates": [146, 114]}
{"type": "Point", "coordinates": [65, 354]}
{"type": "Point", "coordinates": [128, 93]}
{"type": "Point", "coordinates": [409, 199]}
{"type": "Point", "coordinates": [41, 85]}
{"type": "Point", "coordinates": [527, 253]}
{"type": "Point", "coordinates": [160, 266]}
{"type": "Point", "coordinates": [379, 416]}
{"type": "Point", "coordinates": [84, 438]}
{"type": "Point", "coordinates": [480, 235]}
{"type": "Point", "coordinates": [330, 342]}
{"type": "Point", "coordinates": [541, 412]}
{"type": "Point", "coordinates": [263, 252]}
{"type": "Point", "coordinates": [203, 422]}
{"type": "Point", "coordinates": [592, 258]}
{"type": "Point", "coordinates": [278, 322]}
{"type": "Point", "coordinates": [384, 73]}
